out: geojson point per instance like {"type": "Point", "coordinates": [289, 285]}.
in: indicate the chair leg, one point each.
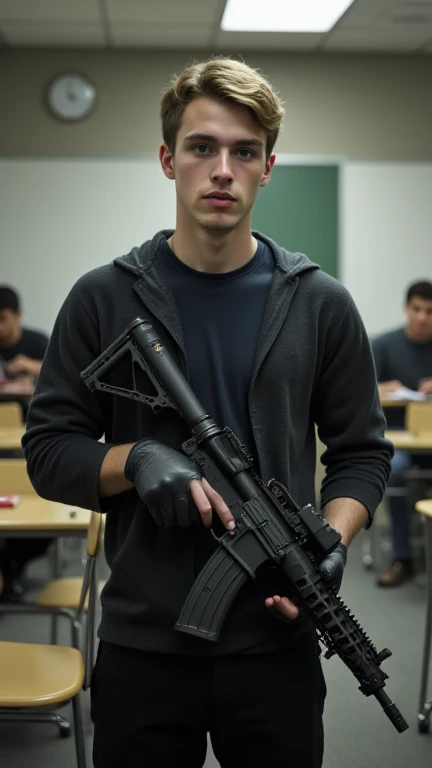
{"type": "Point", "coordinates": [79, 732]}
{"type": "Point", "coordinates": [30, 716]}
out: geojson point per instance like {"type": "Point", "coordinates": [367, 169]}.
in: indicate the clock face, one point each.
{"type": "Point", "coordinates": [71, 96]}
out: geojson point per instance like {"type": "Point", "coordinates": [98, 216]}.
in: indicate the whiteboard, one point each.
{"type": "Point", "coordinates": [385, 236]}
{"type": "Point", "coordinates": [60, 218]}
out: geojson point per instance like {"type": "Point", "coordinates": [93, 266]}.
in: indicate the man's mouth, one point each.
{"type": "Point", "coordinates": [220, 199]}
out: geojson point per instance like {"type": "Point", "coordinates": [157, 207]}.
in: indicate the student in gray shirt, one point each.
{"type": "Point", "coordinates": [404, 358]}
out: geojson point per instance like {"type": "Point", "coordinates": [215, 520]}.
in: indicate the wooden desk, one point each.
{"type": "Point", "coordinates": [425, 706]}
{"type": "Point", "coordinates": [16, 390]}
{"type": "Point", "coordinates": [407, 441]}
{"type": "Point", "coordinates": [389, 403]}
{"type": "Point", "coordinates": [36, 517]}
{"type": "Point", "coordinates": [10, 438]}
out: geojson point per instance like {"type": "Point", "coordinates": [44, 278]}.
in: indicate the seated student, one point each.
{"type": "Point", "coordinates": [21, 354]}
{"type": "Point", "coordinates": [404, 358]}
{"type": "Point", "coordinates": [21, 349]}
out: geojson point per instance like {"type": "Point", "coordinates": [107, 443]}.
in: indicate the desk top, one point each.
{"type": "Point", "coordinates": [16, 390]}
{"type": "Point", "coordinates": [387, 402]}
{"type": "Point", "coordinates": [409, 441]}
{"type": "Point", "coordinates": [424, 507]}
{"type": "Point", "coordinates": [36, 514]}
{"type": "Point", "coordinates": [10, 438]}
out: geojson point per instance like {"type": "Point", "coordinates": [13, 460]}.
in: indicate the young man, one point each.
{"type": "Point", "coordinates": [21, 354]}
{"type": "Point", "coordinates": [265, 339]}
{"type": "Point", "coordinates": [21, 349]}
{"type": "Point", "coordinates": [404, 358]}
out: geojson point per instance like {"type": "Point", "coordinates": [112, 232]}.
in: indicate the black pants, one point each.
{"type": "Point", "coordinates": [151, 710]}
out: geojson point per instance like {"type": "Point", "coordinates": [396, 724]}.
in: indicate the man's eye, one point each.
{"type": "Point", "coordinates": [201, 149]}
{"type": "Point", "coordinates": [245, 153]}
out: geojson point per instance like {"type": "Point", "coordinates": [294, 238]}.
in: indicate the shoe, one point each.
{"type": "Point", "coordinates": [399, 572]}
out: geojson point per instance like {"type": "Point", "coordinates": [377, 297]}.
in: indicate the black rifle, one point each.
{"type": "Point", "coordinates": [270, 526]}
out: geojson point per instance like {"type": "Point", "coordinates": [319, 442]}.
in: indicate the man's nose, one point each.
{"type": "Point", "coordinates": [222, 169]}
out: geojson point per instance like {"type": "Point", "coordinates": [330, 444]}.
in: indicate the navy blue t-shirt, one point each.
{"type": "Point", "coordinates": [221, 316]}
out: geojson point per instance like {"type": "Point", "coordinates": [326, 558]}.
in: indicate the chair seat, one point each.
{"type": "Point", "coordinates": [64, 593]}
{"type": "Point", "coordinates": [34, 675]}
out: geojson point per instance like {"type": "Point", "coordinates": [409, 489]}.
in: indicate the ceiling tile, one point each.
{"type": "Point", "coordinates": [159, 36]}
{"type": "Point", "coordinates": [277, 41]}
{"type": "Point", "coordinates": [372, 39]}
{"type": "Point", "coordinates": [387, 13]}
{"type": "Point", "coordinates": [169, 12]}
{"type": "Point", "coordinates": [52, 35]}
{"type": "Point", "coordinates": [49, 10]}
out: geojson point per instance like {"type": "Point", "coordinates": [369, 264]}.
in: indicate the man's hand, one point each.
{"type": "Point", "coordinates": [386, 387]}
{"type": "Point", "coordinates": [426, 386]}
{"type": "Point", "coordinates": [171, 486]}
{"type": "Point", "coordinates": [331, 570]}
{"type": "Point", "coordinates": [23, 364]}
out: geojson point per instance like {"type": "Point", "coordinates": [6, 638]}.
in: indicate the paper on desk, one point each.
{"type": "Point", "coordinates": [403, 393]}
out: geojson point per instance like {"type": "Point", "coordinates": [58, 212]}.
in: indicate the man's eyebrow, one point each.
{"type": "Point", "coordinates": [206, 137]}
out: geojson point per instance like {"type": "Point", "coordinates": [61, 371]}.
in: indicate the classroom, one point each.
{"type": "Point", "coordinates": [158, 162]}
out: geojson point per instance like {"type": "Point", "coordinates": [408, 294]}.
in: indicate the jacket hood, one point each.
{"type": "Point", "coordinates": [141, 258]}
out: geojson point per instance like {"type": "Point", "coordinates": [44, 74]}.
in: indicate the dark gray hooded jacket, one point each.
{"type": "Point", "coordinates": [313, 366]}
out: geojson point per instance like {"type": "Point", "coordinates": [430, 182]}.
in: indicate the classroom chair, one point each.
{"type": "Point", "coordinates": [34, 676]}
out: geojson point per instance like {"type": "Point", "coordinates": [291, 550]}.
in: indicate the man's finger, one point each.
{"type": "Point", "coordinates": [283, 605]}
{"type": "Point", "coordinates": [201, 502]}
{"type": "Point", "coordinates": [207, 500]}
{"type": "Point", "coordinates": [219, 505]}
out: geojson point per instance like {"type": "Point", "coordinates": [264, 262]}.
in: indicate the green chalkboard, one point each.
{"type": "Point", "coordinates": [299, 209]}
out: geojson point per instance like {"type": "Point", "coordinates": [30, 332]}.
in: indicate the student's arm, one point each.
{"type": "Point", "coordinates": [21, 364]}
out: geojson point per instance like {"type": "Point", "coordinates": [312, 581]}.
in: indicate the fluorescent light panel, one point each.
{"type": "Point", "coordinates": [282, 15]}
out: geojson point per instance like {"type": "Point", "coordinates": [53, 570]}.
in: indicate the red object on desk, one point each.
{"type": "Point", "coordinates": [8, 501]}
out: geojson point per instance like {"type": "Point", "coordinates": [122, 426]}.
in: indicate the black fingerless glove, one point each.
{"type": "Point", "coordinates": [161, 476]}
{"type": "Point", "coordinates": [332, 567]}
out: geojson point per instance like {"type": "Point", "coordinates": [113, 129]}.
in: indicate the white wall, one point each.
{"type": "Point", "coordinates": [61, 218]}
{"type": "Point", "coordinates": [385, 236]}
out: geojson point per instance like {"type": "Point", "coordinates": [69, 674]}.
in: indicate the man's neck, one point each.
{"type": "Point", "coordinates": [13, 338]}
{"type": "Point", "coordinates": [413, 336]}
{"type": "Point", "coordinates": [215, 252]}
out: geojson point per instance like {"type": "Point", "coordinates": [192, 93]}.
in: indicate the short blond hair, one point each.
{"type": "Point", "coordinates": [226, 79]}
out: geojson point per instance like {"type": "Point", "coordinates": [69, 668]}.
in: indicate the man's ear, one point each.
{"type": "Point", "coordinates": [265, 178]}
{"type": "Point", "coordinates": [166, 158]}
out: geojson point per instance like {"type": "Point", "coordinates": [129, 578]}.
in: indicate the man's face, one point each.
{"type": "Point", "coordinates": [419, 313]}
{"type": "Point", "coordinates": [9, 324]}
{"type": "Point", "coordinates": [219, 164]}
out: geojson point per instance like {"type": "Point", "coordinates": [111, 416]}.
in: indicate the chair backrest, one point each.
{"type": "Point", "coordinates": [14, 477]}
{"type": "Point", "coordinates": [11, 415]}
{"type": "Point", "coordinates": [418, 418]}
{"type": "Point", "coordinates": [90, 586]}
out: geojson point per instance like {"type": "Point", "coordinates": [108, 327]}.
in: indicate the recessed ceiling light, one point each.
{"type": "Point", "coordinates": [282, 15]}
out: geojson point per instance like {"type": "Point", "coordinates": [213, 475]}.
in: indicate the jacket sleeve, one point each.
{"type": "Point", "coordinates": [378, 351]}
{"type": "Point", "coordinates": [349, 417]}
{"type": "Point", "coordinates": [65, 421]}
